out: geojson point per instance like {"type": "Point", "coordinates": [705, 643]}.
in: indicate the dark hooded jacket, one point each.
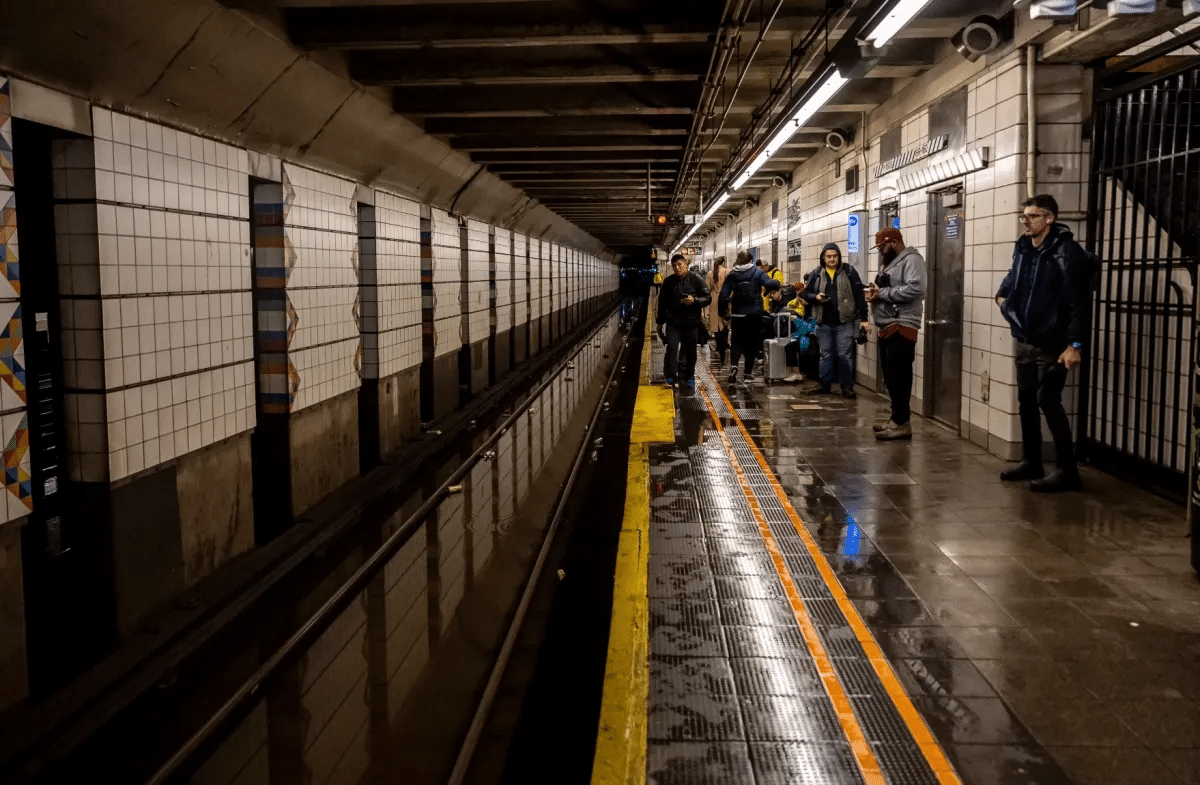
{"type": "Point", "coordinates": [742, 293]}
{"type": "Point", "coordinates": [671, 309]}
{"type": "Point", "coordinates": [1046, 291]}
{"type": "Point", "coordinates": [849, 297]}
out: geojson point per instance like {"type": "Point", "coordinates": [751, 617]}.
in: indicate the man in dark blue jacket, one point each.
{"type": "Point", "coordinates": [742, 298]}
{"type": "Point", "coordinates": [1044, 297]}
{"type": "Point", "coordinates": [681, 304]}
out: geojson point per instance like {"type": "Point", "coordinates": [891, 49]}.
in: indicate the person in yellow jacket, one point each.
{"type": "Point", "coordinates": [774, 273]}
{"type": "Point", "coordinates": [657, 279]}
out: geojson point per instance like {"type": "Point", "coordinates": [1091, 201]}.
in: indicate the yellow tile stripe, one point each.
{"type": "Point", "coordinates": [621, 743]}
{"type": "Point", "coordinates": [930, 748]}
{"type": "Point", "coordinates": [859, 746]}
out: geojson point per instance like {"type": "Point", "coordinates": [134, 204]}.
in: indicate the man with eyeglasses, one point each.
{"type": "Point", "coordinates": [1044, 298]}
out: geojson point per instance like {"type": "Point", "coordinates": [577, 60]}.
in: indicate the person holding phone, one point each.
{"type": "Point", "coordinates": [835, 293]}
{"type": "Point", "coordinates": [897, 298]}
{"type": "Point", "coordinates": [1044, 298]}
{"type": "Point", "coordinates": [680, 317]}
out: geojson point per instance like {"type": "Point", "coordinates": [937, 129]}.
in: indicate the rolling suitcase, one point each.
{"type": "Point", "coordinates": [775, 365]}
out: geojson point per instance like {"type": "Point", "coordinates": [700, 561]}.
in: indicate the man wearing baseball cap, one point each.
{"type": "Point", "coordinates": [897, 298]}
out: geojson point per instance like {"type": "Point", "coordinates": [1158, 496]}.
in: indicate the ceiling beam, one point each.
{"type": "Point", "coordinates": [647, 98]}
{"type": "Point", "coordinates": [456, 127]}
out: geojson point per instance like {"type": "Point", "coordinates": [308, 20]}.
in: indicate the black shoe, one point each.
{"type": "Point", "coordinates": [848, 392]}
{"type": "Point", "coordinates": [1023, 471]}
{"type": "Point", "coordinates": [820, 391]}
{"type": "Point", "coordinates": [733, 372]}
{"type": "Point", "coordinates": [1058, 481]}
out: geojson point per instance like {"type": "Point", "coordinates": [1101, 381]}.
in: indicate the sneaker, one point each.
{"type": "Point", "coordinates": [848, 392]}
{"type": "Point", "coordinates": [733, 375]}
{"type": "Point", "coordinates": [794, 377]}
{"type": "Point", "coordinates": [820, 391]}
{"type": "Point", "coordinates": [895, 432]}
{"type": "Point", "coordinates": [691, 384]}
{"type": "Point", "coordinates": [883, 426]}
{"type": "Point", "coordinates": [670, 382]}
{"type": "Point", "coordinates": [1026, 470]}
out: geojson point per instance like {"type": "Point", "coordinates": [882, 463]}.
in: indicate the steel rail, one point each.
{"type": "Point", "coordinates": [466, 753]}
{"type": "Point", "coordinates": [345, 594]}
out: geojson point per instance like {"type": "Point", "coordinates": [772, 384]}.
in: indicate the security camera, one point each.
{"type": "Point", "coordinates": [981, 36]}
{"type": "Point", "coordinates": [778, 182]}
{"type": "Point", "coordinates": [838, 139]}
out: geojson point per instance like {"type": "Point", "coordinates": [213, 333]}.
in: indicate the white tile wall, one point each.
{"type": "Point", "coordinates": [447, 281]}
{"type": "Point", "coordinates": [521, 286]}
{"type": "Point", "coordinates": [398, 264]}
{"type": "Point", "coordinates": [322, 226]}
{"type": "Point", "coordinates": [478, 306]}
{"type": "Point", "coordinates": [166, 246]}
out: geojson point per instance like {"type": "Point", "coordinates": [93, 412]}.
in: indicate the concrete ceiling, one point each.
{"type": "Point", "coordinates": [591, 106]}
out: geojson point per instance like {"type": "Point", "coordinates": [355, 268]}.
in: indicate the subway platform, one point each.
{"type": "Point", "coordinates": [815, 606]}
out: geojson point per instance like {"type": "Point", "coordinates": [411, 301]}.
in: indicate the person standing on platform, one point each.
{"type": "Point", "coordinates": [897, 298]}
{"type": "Point", "coordinates": [717, 325]}
{"type": "Point", "coordinates": [742, 299]}
{"type": "Point", "coordinates": [835, 293]}
{"type": "Point", "coordinates": [681, 306]}
{"type": "Point", "coordinates": [775, 274]}
{"type": "Point", "coordinates": [1044, 298]}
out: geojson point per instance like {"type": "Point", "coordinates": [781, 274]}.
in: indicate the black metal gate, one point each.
{"type": "Point", "coordinates": [1144, 214]}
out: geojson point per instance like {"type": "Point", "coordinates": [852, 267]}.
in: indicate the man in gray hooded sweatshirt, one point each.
{"type": "Point", "coordinates": [897, 298]}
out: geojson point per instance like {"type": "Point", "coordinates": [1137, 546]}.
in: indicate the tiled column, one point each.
{"type": "Point", "coordinates": [18, 499]}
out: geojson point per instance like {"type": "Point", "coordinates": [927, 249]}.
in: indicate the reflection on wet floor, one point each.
{"type": "Point", "coordinates": [1045, 639]}
{"type": "Point", "coordinates": [386, 692]}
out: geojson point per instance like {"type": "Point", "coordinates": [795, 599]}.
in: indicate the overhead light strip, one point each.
{"type": "Point", "coordinates": [712, 209]}
{"type": "Point", "coordinates": [828, 89]}
{"type": "Point", "coordinates": [894, 22]}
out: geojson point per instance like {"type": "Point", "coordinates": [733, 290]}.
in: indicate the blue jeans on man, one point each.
{"type": "Point", "coordinates": [836, 343]}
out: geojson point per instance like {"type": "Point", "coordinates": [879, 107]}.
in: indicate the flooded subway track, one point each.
{"type": "Point", "coordinates": [408, 650]}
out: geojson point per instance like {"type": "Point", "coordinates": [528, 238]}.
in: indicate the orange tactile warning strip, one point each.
{"type": "Point", "coordinates": [930, 749]}
{"type": "Point", "coordinates": [863, 756]}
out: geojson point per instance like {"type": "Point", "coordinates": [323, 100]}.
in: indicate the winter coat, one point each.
{"type": "Point", "coordinates": [1050, 309]}
{"type": "Point", "coordinates": [742, 293]}
{"type": "Point", "coordinates": [714, 282]}
{"type": "Point", "coordinates": [902, 299]}
{"type": "Point", "coordinates": [850, 299]}
{"type": "Point", "coordinates": [671, 309]}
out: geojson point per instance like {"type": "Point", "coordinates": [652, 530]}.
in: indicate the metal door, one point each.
{"type": "Point", "coordinates": [944, 307]}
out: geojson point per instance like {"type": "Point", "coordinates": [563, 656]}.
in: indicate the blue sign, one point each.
{"type": "Point", "coordinates": [852, 242]}
{"type": "Point", "coordinates": [896, 222]}
{"type": "Point", "coordinates": [953, 224]}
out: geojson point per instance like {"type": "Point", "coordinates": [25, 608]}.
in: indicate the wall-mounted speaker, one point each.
{"type": "Point", "coordinates": [838, 139]}
{"type": "Point", "coordinates": [982, 35]}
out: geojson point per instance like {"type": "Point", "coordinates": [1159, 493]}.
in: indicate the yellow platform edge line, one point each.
{"type": "Point", "coordinates": [931, 749]}
{"type": "Point", "coordinates": [620, 757]}
{"type": "Point", "coordinates": [621, 742]}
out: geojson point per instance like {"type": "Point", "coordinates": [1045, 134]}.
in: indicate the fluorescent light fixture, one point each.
{"type": "Point", "coordinates": [722, 199]}
{"type": "Point", "coordinates": [1053, 9]}
{"type": "Point", "coordinates": [828, 89]}
{"type": "Point", "coordinates": [1131, 7]}
{"type": "Point", "coordinates": [901, 15]}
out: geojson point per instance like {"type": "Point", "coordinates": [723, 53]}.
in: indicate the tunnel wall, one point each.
{"type": "Point", "coordinates": [205, 289]}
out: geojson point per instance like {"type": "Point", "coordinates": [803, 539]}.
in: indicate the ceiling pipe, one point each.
{"type": "Point", "coordinates": [1031, 120]}
{"type": "Point", "coordinates": [765, 25]}
{"type": "Point", "coordinates": [718, 65]}
{"type": "Point", "coordinates": [802, 57]}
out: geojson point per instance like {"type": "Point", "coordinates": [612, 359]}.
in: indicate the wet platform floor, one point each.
{"type": "Point", "coordinates": [1040, 639]}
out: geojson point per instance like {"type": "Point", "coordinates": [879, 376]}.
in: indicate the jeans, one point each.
{"type": "Point", "coordinates": [837, 341]}
{"type": "Point", "coordinates": [1040, 381]}
{"type": "Point", "coordinates": [677, 337]}
{"type": "Point", "coordinates": [745, 340]}
{"type": "Point", "coordinates": [896, 357]}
